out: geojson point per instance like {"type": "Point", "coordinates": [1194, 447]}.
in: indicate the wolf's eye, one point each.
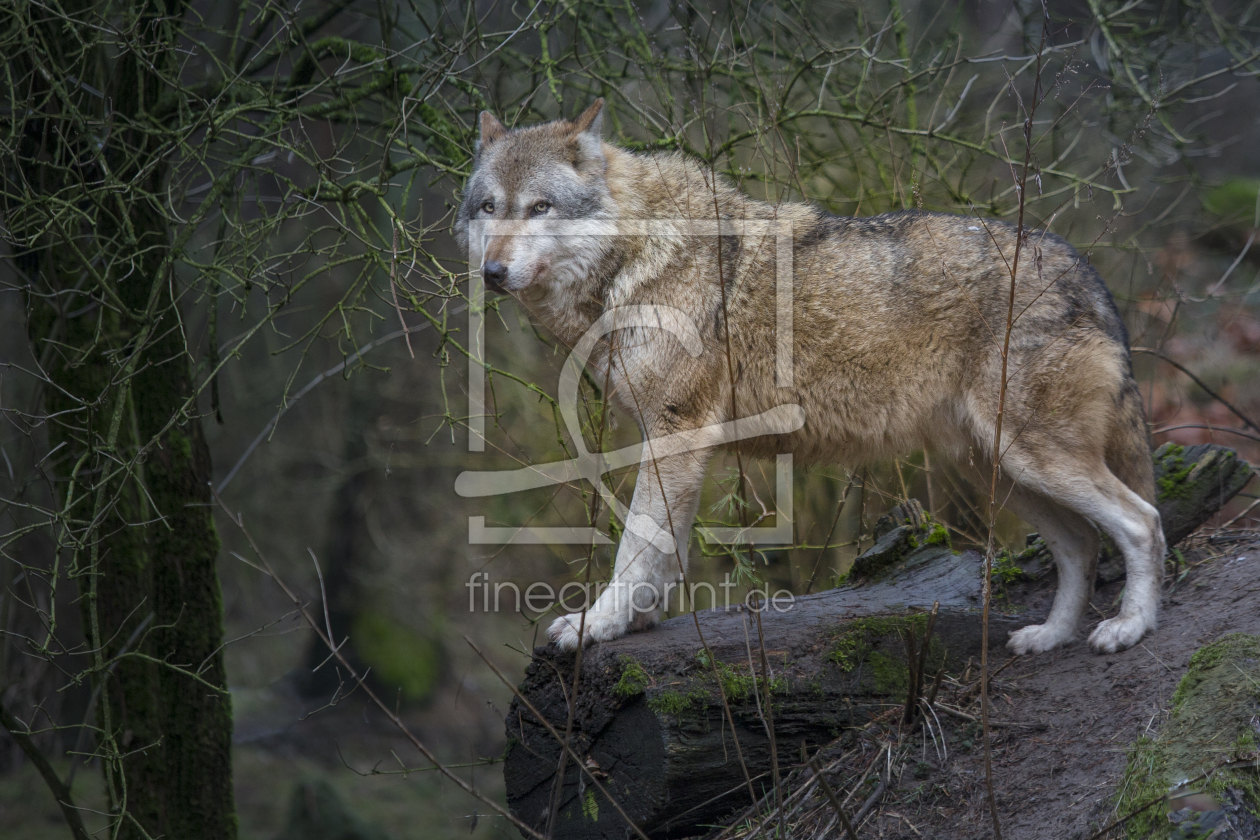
{"type": "Point", "coordinates": [488, 208]}
{"type": "Point", "coordinates": [540, 208]}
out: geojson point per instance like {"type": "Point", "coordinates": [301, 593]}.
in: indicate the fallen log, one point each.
{"type": "Point", "coordinates": [649, 718]}
{"type": "Point", "coordinates": [650, 714]}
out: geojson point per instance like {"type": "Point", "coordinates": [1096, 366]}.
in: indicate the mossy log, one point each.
{"type": "Point", "coordinates": [1199, 776]}
{"type": "Point", "coordinates": [649, 720]}
{"type": "Point", "coordinates": [1193, 484]}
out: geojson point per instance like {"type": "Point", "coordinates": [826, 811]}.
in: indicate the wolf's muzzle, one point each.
{"type": "Point", "coordinates": [495, 275]}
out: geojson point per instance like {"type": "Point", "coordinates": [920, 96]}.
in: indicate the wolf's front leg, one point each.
{"type": "Point", "coordinates": [652, 556]}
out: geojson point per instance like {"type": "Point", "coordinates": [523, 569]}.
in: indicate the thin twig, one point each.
{"type": "Point", "coordinates": [1197, 381]}
{"type": "Point", "coordinates": [393, 290]}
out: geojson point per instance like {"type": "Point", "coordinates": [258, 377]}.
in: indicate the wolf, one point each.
{"type": "Point", "coordinates": [899, 341]}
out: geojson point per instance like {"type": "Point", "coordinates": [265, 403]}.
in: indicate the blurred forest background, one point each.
{"type": "Point", "coordinates": [219, 220]}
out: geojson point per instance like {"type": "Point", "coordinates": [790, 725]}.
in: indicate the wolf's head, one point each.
{"type": "Point", "coordinates": [537, 185]}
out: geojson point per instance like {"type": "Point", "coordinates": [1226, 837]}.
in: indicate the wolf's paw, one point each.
{"type": "Point", "coordinates": [599, 627]}
{"type": "Point", "coordinates": [1037, 638]}
{"type": "Point", "coordinates": [1119, 633]}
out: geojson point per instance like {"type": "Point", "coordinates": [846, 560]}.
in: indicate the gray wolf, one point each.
{"type": "Point", "coordinates": [899, 323]}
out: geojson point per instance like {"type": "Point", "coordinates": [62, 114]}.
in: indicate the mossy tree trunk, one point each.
{"type": "Point", "coordinates": [399, 660]}
{"type": "Point", "coordinates": [132, 465]}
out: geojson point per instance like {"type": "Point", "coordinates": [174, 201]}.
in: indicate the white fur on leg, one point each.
{"type": "Point", "coordinates": [1140, 537]}
{"type": "Point", "coordinates": [1039, 638]}
{"type": "Point", "coordinates": [1072, 548]}
{"type": "Point", "coordinates": [650, 559]}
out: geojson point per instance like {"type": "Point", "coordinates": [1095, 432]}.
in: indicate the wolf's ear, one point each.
{"type": "Point", "coordinates": [591, 121]}
{"type": "Point", "coordinates": [491, 130]}
{"type": "Point", "coordinates": [587, 140]}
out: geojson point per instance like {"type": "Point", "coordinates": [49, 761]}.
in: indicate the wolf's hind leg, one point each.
{"type": "Point", "coordinates": [1135, 527]}
{"type": "Point", "coordinates": [1092, 491]}
{"type": "Point", "coordinates": [1072, 540]}
{"type": "Point", "coordinates": [1074, 544]}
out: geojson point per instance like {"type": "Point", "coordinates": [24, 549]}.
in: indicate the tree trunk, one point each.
{"type": "Point", "coordinates": [151, 585]}
{"type": "Point", "coordinates": [133, 466]}
{"type": "Point", "coordinates": [195, 713]}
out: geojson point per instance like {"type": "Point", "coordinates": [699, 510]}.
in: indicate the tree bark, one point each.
{"type": "Point", "coordinates": [194, 712]}
{"type": "Point", "coordinates": [133, 467]}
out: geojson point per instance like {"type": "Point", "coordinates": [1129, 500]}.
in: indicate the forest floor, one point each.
{"type": "Point", "coordinates": [1063, 722]}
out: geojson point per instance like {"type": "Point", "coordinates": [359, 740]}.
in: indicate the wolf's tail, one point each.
{"type": "Point", "coordinates": [1128, 449]}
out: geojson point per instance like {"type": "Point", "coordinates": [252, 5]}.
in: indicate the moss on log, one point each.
{"type": "Point", "coordinates": [1201, 770]}
{"type": "Point", "coordinates": [1193, 484]}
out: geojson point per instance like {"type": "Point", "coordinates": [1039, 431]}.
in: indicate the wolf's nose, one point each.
{"type": "Point", "coordinates": [494, 273]}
